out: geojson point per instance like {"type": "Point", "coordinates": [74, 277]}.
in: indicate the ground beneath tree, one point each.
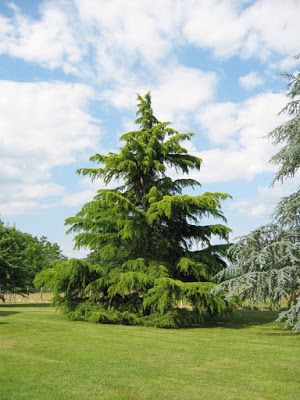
{"type": "Point", "coordinates": [45, 356]}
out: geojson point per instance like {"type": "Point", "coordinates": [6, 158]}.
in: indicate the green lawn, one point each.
{"type": "Point", "coordinates": [44, 356]}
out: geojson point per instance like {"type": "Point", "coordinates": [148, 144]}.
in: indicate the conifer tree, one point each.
{"type": "Point", "coordinates": [141, 235]}
{"type": "Point", "coordinates": [266, 263]}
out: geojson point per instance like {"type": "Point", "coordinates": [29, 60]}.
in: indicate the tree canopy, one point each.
{"type": "Point", "coordinates": [148, 249]}
{"type": "Point", "coordinates": [22, 256]}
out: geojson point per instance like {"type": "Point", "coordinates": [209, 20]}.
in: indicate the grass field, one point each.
{"type": "Point", "coordinates": [45, 356]}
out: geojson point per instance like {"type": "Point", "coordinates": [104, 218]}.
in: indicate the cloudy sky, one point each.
{"type": "Point", "coordinates": [69, 74]}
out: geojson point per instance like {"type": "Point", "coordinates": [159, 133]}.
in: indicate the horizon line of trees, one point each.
{"type": "Point", "coordinates": [22, 256]}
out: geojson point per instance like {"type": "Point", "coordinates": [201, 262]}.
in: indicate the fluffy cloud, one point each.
{"type": "Point", "coordinates": [42, 125]}
{"type": "Point", "coordinates": [87, 190]}
{"type": "Point", "coordinates": [181, 90]}
{"type": "Point", "coordinates": [266, 199]}
{"type": "Point", "coordinates": [231, 27]}
{"type": "Point", "coordinates": [107, 39]}
{"type": "Point", "coordinates": [215, 25]}
{"type": "Point", "coordinates": [286, 64]}
{"type": "Point", "coordinates": [125, 48]}
{"type": "Point", "coordinates": [81, 37]}
{"type": "Point", "coordinates": [265, 34]}
{"type": "Point", "coordinates": [137, 29]}
{"type": "Point", "coordinates": [17, 198]}
{"type": "Point", "coordinates": [251, 80]}
{"type": "Point", "coordinates": [239, 130]}
{"type": "Point", "coordinates": [220, 121]}
{"type": "Point", "coordinates": [51, 41]}
{"type": "Point", "coordinates": [67, 246]}
{"type": "Point", "coordinates": [177, 93]}
{"type": "Point", "coordinates": [78, 198]}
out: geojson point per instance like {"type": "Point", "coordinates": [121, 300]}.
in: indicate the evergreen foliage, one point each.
{"type": "Point", "coordinates": [22, 256]}
{"type": "Point", "coordinates": [141, 234]}
{"type": "Point", "coordinates": [287, 134]}
{"type": "Point", "coordinates": [266, 263]}
{"type": "Point", "coordinates": [265, 266]}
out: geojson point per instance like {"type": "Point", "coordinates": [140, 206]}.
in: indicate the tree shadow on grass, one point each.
{"type": "Point", "coordinates": [243, 319]}
{"type": "Point", "coordinates": [7, 313]}
{"type": "Point", "coordinates": [283, 332]}
{"type": "Point", "coordinates": [7, 309]}
{"type": "Point", "coordinates": [24, 305]}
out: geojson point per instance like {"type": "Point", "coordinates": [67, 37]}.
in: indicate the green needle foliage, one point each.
{"type": "Point", "coordinates": [141, 235]}
{"type": "Point", "coordinates": [266, 263]}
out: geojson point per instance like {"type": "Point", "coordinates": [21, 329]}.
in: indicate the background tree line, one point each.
{"type": "Point", "coordinates": [22, 256]}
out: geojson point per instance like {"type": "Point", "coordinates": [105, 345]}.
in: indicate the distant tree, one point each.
{"type": "Point", "coordinates": [13, 267]}
{"type": "Point", "coordinates": [40, 254]}
{"type": "Point", "coordinates": [266, 263]}
{"type": "Point", "coordinates": [141, 235]}
{"type": "Point", "coordinates": [22, 256]}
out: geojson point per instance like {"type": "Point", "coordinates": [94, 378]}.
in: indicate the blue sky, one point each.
{"type": "Point", "coordinates": [69, 74]}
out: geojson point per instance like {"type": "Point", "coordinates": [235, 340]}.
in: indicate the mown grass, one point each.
{"type": "Point", "coordinates": [45, 356]}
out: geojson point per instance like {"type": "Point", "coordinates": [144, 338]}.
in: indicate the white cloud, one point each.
{"type": "Point", "coordinates": [286, 64]}
{"type": "Point", "coordinates": [106, 37]}
{"type": "Point", "coordinates": [127, 125]}
{"type": "Point", "coordinates": [176, 94]}
{"type": "Point", "coordinates": [114, 41]}
{"type": "Point", "coordinates": [131, 47]}
{"type": "Point", "coordinates": [67, 246]}
{"type": "Point", "coordinates": [279, 33]}
{"type": "Point", "coordinates": [239, 130]}
{"type": "Point", "coordinates": [251, 80]}
{"type": "Point", "coordinates": [220, 121]}
{"type": "Point", "coordinates": [78, 198]}
{"type": "Point", "coordinates": [17, 198]}
{"type": "Point", "coordinates": [181, 90]}
{"type": "Point", "coordinates": [215, 25]}
{"type": "Point", "coordinates": [39, 191]}
{"type": "Point", "coordinates": [87, 190]}
{"type": "Point", "coordinates": [229, 27]}
{"type": "Point", "coordinates": [42, 125]}
{"type": "Point", "coordinates": [53, 40]}
{"type": "Point", "coordinates": [267, 198]}
{"type": "Point", "coordinates": [126, 34]}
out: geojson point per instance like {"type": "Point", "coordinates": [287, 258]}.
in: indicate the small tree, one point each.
{"type": "Point", "coordinates": [266, 263]}
{"type": "Point", "coordinates": [141, 234]}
